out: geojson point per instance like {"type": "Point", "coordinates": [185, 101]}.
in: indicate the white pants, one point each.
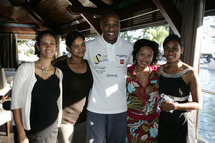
{"type": "Point", "coordinates": [65, 133]}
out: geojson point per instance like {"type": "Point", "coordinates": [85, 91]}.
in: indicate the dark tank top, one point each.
{"type": "Point", "coordinates": [173, 84]}
{"type": "Point", "coordinates": [44, 108]}
{"type": "Point", "coordinates": [75, 87]}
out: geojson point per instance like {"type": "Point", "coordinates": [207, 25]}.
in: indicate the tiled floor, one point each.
{"type": "Point", "coordinates": [3, 137]}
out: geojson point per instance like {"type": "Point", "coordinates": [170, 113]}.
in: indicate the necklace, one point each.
{"type": "Point", "coordinates": [44, 70]}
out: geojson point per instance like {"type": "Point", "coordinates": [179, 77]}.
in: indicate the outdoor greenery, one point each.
{"type": "Point", "coordinates": [209, 27]}
{"type": "Point", "coordinates": [26, 50]}
{"type": "Point", "coordinates": [26, 46]}
{"type": "Point", "coordinates": [157, 34]}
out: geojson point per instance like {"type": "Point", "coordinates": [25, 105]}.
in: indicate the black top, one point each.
{"type": "Point", "coordinates": [174, 86]}
{"type": "Point", "coordinates": [75, 87]}
{"type": "Point", "coordinates": [44, 108]}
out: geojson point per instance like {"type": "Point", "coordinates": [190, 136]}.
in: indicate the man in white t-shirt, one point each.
{"type": "Point", "coordinates": [108, 56]}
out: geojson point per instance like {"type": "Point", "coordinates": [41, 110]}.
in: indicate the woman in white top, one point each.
{"type": "Point", "coordinates": [36, 95]}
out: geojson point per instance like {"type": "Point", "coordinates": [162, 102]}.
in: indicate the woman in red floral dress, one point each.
{"type": "Point", "coordinates": [143, 94]}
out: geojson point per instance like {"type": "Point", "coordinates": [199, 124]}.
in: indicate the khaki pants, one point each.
{"type": "Point", "coordinates": [48, 135]}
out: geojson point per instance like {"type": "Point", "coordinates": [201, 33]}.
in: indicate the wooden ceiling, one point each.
{"type": "Point", "coordinates": [26, 17]}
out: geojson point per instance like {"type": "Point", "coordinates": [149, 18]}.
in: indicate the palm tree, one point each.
{"type": "Point", "coordinates": [157, 34]}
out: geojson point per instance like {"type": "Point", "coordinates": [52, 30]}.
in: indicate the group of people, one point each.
{"type": "Point", "coordinates": [94, 97]}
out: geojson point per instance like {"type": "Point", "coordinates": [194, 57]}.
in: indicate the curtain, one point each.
{"type": "Point", "coordinates": [193, 14]}
{"type": "Point", "coordinates": [8, 51]}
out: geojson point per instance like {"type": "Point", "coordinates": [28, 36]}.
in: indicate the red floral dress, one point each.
{"type": "Point", "coordinates": [143, 110]}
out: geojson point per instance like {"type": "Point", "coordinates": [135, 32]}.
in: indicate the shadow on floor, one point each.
{"type": "Point", "coordinates": [3, 137]}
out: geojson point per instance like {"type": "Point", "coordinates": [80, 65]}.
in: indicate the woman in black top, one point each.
{"type": "Point", "coordinates": [178, 82]}
{"type": "Point", "coordinates": [77, 82]}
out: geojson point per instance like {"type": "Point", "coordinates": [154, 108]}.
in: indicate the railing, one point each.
{"type": "Point", "coordinates": [208, 91]}
{"type": "Point", "coordinates": [200, 140]}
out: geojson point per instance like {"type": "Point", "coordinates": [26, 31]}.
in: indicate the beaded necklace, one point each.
{"type": "Point", "coordinates": [44, 70]}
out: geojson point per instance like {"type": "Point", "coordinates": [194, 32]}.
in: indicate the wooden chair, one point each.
{"type": "Point", "coordinates": [5, 116]}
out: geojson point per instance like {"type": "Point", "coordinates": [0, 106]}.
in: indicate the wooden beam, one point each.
{"type": "Point", "coordinates": [100, 4]}
{"type": "Point", "coordinates": [84, 10]}
{"type": "Point", "coordinates": [75, 2]}
{"type": "Point", "coordinates": [126, 26]}
{"type": "Point", "coordinates": [35, 2]}
{"type": "Point", "coordinates": [26, 36]}
{"type": "Point", "coordinates": [42, 21]}
{"type": "Point", "coordinates": [210, 8]}
{"type": "Point", "coordinates": [16, 29]}
{"type": "Point", "coordinates": [78, 27]}
{"type": "Point", "coordinates": [74, 22]}
{"type": "Point", "coordinates": [93, 22]}
{"type": "Point", "coordinates": [33, 15]}
{"type": "Point", "coordinates": [171, 14]}
{"type": "Point", "coordinates": [131, 10]}
{"type": "Point", "coordinates": [20, 28]}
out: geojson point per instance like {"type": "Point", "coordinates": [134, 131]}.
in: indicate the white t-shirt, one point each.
{"type": "Point", "coordinates": [108, 63]}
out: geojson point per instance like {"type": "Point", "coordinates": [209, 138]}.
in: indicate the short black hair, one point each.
{"type": "Point", "coordinates": [71, 36]}
{"type": "Point", "coordinates": [109, 13]}
{"type": "Point", "coordinates": [144, 42]}
{"type": "Point", "coordinates": [173, 37]}
{"type": "Point", "coordinates": [38, 38]}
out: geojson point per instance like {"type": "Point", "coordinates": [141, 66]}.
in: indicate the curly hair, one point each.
{"type": "Point", "coordinates": [144, 42]}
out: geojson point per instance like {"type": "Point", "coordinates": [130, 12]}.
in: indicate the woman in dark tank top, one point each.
{"type": "Point", "coordinates": [77, 82]}
{"type": "Point", "coordinates": [180, 94]}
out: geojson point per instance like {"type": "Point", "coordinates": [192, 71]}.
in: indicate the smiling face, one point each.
{"type": "Point", "coordinates": [144, 56]}
{"type": "Point", "coordinates": [47, 46]}
{"type": "Point", "coordinates": [78, 48]}
{"type": "Point", "coordinates": [172, 51]}
{"type": "Point", "coordinates": [110, 26]}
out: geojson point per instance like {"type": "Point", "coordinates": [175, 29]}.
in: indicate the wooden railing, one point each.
{"type": "Point", "coordinates": [208, 91]}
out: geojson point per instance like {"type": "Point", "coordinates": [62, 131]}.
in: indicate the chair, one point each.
{"type": "Point", "coordinates": [5, 116]}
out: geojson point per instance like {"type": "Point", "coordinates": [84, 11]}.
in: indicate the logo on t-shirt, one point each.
{"type": "Point", "coordinates": [100, 58]}
{"type": "Point", "coordinates": [122, 61]}
{"type": "Point", "coordinates": [111, 75]}
{"type": "Point", "coordinates": [97, 59]}
{"type": "Point", "coordinates": [122, 56]}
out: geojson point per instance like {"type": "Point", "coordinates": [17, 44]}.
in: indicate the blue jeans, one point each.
{"type": "Point", "coordinates": [106, 127]}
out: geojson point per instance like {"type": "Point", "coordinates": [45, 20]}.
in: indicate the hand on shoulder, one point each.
{"type": "Point", "coordinates": [59, 59]}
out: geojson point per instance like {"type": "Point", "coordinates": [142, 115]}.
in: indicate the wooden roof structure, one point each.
{"type": "Point", "coordinates": [22, 19]}
{"type": "Point", "coordinates": [26, 17]}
